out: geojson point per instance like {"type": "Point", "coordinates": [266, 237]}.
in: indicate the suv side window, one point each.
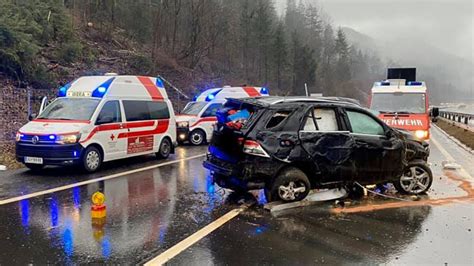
{"type": "Point", "coordinates": [212, 110]}
{"type": "Point", "coordinates": [364, 124]}
{"type": "Point", "coordinates": [325, 120]}
{"type": "Point", "coordinates": [110, 112]}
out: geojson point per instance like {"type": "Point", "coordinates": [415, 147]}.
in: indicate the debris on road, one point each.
{"type": "Point", "coordinates": [3, 168]}
{"type": "Point", "coordinates": [313, 197]}
{"type": "Point", "coordinates": [450, 165]}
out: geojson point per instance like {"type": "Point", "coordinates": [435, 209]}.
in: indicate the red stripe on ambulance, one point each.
{"type": "Point", "coordinates": [161, 127]}
{"type": "Point", "coordinates": [251, 91]}
{"type": "Point", "coordinates": [152, 89]}
{"type": "Point", "coordinates": [207, 119]}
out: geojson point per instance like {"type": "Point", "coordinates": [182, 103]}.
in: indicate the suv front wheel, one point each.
{"type": "Point", "coordinates": [290, 185]}
{"type": "Point", "coordinates": [416, 179]}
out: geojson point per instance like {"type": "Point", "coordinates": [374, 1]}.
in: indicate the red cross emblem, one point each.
{"type": "Point", "coordinates": [112, 137]}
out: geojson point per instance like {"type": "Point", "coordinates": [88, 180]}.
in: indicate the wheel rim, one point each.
{"type": "Point", "coordinates": [165, 147]}
{"type": "Point", "coordinates": [291, 191]}
{"type": "Point", "coordinates": [196, 138]}
{"type": "Point", "coordinates": [92, 160]}
{"type": "Point", "coordinates": [415, 180]}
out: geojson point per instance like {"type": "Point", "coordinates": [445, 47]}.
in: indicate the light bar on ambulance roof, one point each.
{"type": "Point", "coordinates": [415, 83]}
{"type": "Point", "coordinates": [264, 91]}
{"type": "Point", "coordinates": [385, 83]}
{"type": "Point", "coordinates": [211, 96]}
{"type": "Point", "coordinates": [63, 90]}
{"type": "Point", "coordinates": [100, 91]}
{"type": "Point", "coordinates": [159, 83]}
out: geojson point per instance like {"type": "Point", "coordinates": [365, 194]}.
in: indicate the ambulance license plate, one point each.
{"type": "Point", "coordinates": [34, 160]}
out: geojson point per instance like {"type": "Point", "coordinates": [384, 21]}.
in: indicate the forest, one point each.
{"type": "Point", "coordinates": [195, 44]}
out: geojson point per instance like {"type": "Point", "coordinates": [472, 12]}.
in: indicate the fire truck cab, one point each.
{"type": "Point", "coordinates": [402, 102]}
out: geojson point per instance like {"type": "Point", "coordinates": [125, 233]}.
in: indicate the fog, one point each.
{"type": "Point", "coordinates": [436, 36]}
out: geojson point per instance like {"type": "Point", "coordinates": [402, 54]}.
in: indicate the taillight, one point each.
{"type": "Point", "coordinates": [254, 148]}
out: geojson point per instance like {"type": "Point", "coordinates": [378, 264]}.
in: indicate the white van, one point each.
{"type": "Point", "coordinates": [97, 119]}
{"type": "Point", "coordinates": [195, 122]}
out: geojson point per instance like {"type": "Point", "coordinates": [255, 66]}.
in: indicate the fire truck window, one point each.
{"type": "Point", "coordinates": [110, 112]}
{"type": "Point", "coordinates": [364, 124]}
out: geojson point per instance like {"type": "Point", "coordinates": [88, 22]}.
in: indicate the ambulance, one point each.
{"type": "Point", "coordinates": [96, 119]}
{"type": "Point", "coordinates": [195, 122]}
{"type": "Point", "coordinates": [402, 102]}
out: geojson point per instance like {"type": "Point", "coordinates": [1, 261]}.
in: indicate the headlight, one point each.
{"type": "Point", "coordinates": [421, 134]}
{"type": "Point", "coordinates": [183, 124]}
{"type": "Point", "coordinates": [18, 136]}
{"type": "Point", "coordinates": [68, 139]}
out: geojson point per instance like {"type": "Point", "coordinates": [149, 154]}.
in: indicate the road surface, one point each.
{"type": "Point", "coordinates": [152, 206]}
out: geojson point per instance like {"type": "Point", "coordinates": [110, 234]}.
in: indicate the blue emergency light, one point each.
{"type": "Point", "coordinates": [52, 137]}
{"type": "Point", "coordinates": [159, 83]}
{"type": "Point", "coordinates": [263, 90]}
{"type": "Point", "coordinates": [100, 91]}
{"type": "Point", "coordinates": [211, 96]}
{"type": "Point", "coordinates": [415, 83]}
{"type": "Point", "coordinates": [385, 83]}
{"type": "Point", "coordinates": [63, 90]}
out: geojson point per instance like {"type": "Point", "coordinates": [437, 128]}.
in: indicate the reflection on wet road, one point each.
{"type": "Point", "coordinates": [150, 211]}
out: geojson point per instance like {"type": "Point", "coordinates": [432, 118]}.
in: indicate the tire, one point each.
{"type": "Point", "coordinates": [290, 185]}
{"type": "Point", "coordinates": [416, 179]}
{"type": "Point", "coordinates": [34, 167]}
{"type": "Point", "coordinates": [92, 159]}
{"type": "Point", "coordinates": [197, 137]}
{"type": "Point", "coordinates": [165, 149]}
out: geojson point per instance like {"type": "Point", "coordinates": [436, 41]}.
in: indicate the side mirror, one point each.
{"type": "Point", "coordinates": [32, 116]}
{"type": "Point", "coordinates": [389, 133]}
{"type": "Point", "coordinates": [435, 112]}
{"type": "Point", "coordinates": [104, 120]}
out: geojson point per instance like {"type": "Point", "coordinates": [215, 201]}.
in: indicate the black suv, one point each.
{"type": "Point", "coordinates": [291, 145]}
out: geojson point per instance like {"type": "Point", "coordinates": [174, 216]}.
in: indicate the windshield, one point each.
{"type": "Point", "coordinates": [400, 103]}
{"type": "Point", "coordinates": [193, 108]}
{"type": "Point", "coordinates": [70, 109]}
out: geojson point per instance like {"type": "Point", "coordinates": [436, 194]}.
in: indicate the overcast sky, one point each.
{"type": "Point", "coordinates": [446, 24]}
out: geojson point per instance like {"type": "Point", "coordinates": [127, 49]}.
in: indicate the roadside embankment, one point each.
{"type": "Point", "coordinates": [464, 135]}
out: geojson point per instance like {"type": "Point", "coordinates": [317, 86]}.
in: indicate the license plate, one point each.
{"type": "Point", "coordinates": [34, 160]}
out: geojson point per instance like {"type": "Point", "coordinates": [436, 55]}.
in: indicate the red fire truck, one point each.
{"type": "Point", "coordinates": [402, 102]}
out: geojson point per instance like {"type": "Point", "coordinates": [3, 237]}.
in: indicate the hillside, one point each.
{"type": "Point", "coordinates": [442, 72]}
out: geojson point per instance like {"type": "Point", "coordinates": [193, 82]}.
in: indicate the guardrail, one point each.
{"type": "Point", "coordinates": [457, 117]}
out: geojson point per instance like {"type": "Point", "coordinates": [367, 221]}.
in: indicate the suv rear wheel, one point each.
{"type": "Point", "coordinates": [416, 179]}
{"type": "Point", "coordinates": [290, 185]}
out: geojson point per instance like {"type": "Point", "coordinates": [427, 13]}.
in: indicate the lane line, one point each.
{"type": "Point", "coordinates": [448, 156]}
{"type": "Point", "coordinates": [192, 239]}
{"type": "Point", "coordinates": [83, 183]}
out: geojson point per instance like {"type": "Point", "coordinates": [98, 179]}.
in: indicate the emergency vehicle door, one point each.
{"type": "Point", "coordinates": [112, 131]}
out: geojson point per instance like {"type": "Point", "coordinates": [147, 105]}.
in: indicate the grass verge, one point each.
{"type": "Point", "coordinates": [463, 135]}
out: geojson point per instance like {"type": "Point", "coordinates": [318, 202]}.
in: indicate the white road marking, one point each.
{"type": "Point", "coordinates": [52, 190]}
{"type": "Point", "coordinates": [190, 240]}
{"type": "Point", "coordinates": [448, 156]}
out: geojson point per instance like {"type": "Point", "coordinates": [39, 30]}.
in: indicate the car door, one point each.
{"type": "Point", "coordinates": [376, 153]}
{"type": "Point", "coordinates": [323, 137]}
{"type": "Point", "coordinates": [109, 123]}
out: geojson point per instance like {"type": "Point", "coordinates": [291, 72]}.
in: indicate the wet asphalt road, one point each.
{"type": "Point", "coordinates": [150, 211]}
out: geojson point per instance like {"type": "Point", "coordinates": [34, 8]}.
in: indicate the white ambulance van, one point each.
{"type": "Point", "coordinates": [96, 119]}
{"type": "Point", "coordinates": [196, 120]}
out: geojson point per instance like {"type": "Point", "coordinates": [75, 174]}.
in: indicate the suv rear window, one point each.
{"type": "Point", "coordinates": [325, 120]}
{"type": "Point", "coordinates": [277, 119]}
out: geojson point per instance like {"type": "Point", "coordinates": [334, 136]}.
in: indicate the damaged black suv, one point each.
{"type": "Point", "coordinates": [288, 146]}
